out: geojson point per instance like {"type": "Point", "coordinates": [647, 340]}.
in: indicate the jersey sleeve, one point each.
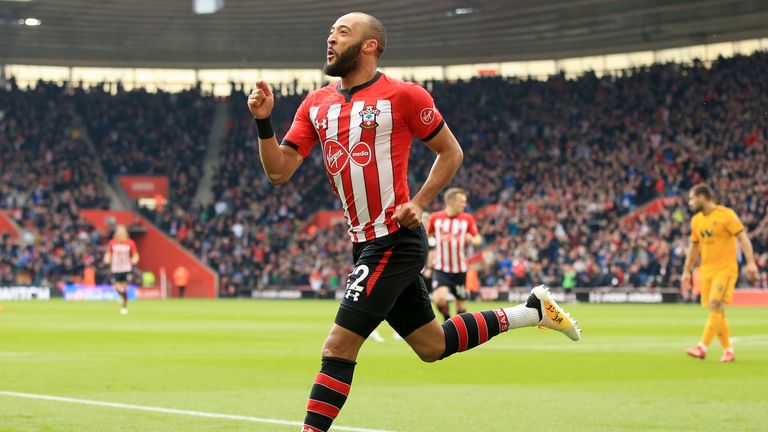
{"type": "Point", "coordinates": [134, 249]}
{"type": "Point", "coordinates": [431, 224]}
{"type": "Point", "coordinates": [694, 232]}
{"type": "Point", "coordinates": [734, 225]}
{"type": "Point", "coordinates": [425, 121]}
{"type": "Point", "coordinates": [302, 135]}
{"type": "Point", "coordinates": [472, 226]}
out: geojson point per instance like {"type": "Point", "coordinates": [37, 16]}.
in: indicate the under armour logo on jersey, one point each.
{"type": "Point", "coordinates": [337, 156]}
{"type": "Point", "coordinates": [321, 124]}
{"type": "Point", "coordinates": [706, 233]}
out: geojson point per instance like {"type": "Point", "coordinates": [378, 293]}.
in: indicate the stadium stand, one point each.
{"type": "Point", "coordinates": [587, 151]}
{"type": "Point", "coordinates": [137, 132]}
{"type": "Point", "coordinates": [47, 177]}
{"type": "Point", "coordinates": [563, 162]}
{"type": "Point", "coordinates": [564, 181]}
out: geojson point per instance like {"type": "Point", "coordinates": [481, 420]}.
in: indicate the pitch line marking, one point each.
{"type": "Point", "coordinates": [175, 411]}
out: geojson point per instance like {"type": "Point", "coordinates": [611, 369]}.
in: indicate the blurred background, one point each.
{"type": "Point", "coordinates": [584, 124]}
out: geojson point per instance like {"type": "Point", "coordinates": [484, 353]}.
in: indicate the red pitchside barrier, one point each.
{"type": "Point", "coordinates": [750, 297]}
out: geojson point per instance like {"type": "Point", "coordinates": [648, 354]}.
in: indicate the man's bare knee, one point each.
{"type": "Point", "coordinates": [715, 305]}
{"type": "Point", "coordinates": [342, 343]}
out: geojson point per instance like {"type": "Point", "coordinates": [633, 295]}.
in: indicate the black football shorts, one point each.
{"type": "Point", "coordinates": [386, 284]}
{"type": "Point", "coordinates": [456, 283]}
{"type": "Point", "coordinates": [121, 277]}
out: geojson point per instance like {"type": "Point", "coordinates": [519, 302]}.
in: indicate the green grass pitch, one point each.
{"type": "Point", "coordinates": [258, 359]}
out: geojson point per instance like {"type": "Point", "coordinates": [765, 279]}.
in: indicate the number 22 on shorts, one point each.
{"type": "Point", "coordinates": [353, 282]}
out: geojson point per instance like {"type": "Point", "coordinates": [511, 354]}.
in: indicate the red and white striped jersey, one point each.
{"type": "Point", "coordinates": [450, 235]}
{"type": "Point", "coordinates": [366, 134]}
{"type": "Point", "coordinates": [121, 255]}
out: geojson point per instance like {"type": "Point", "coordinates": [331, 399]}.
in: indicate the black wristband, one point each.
{"type": "Point", "coordinates": [264, 128]}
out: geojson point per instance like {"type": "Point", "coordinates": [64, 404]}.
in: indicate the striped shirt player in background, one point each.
{"type": "Point", "coordinates": [366, 123]}
{"type": "Point", "coordinates": [452, 228]}
{"type": "Point", "coordinates": [426, 272]}
{"type": "Point", "coordinates": [121, 256]}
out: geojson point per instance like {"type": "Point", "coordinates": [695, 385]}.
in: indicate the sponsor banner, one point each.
{"type": "Point", "coordinates": [95, 293]}
{"type": "Point", "coordinates": [144, 186]}
{"type": "Point", "coordinates": [149, 294]}
{"type": "Point", "coordinates": [276, 294]}
{"type": "Point", "coordinates": [625, 297]}
{"type": "Point", "coordinates": [596, 295]}
{"type": "Point", "coordinates": [14, 293]}
{"type": "Point", "coordinates": [521, 296]}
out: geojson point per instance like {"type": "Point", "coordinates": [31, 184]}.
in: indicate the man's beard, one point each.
{"type": "Point", "coordinates": [697, 208]}
{"type": "Point", "coordinates": [346, 62]}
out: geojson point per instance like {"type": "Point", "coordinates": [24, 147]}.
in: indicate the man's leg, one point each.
{"type": "Point", "coordinates": [122, 290]}
{"type": "Point", "coordinates": [459, 291]}
{"type": "Point", "coordinates": [711, 328]}
{"type": "Point", "coordinates": [124, 293]}
{"type": "Point", "coordinates": [465, 331]}
{"type": "Point", "coordinates": [440, 296]}
{"type": "Point", "coordinates": [332, 383]}
{"type": "Point", "coordinates": [728, 285]}
{"type": "Point", "coordinates": [725, 333]}
{"type": "Point", "coordinates": [461, 306]}
{"type": "Point", "coordinates": [433, 341]}
{"type": "Point", "coordinates": [371, 290]}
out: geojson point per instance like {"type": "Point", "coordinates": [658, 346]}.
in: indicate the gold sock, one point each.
{"type": "Point", "coordinates": [725, 333]}
{"type": "Point", "coordinates": [711, 328]}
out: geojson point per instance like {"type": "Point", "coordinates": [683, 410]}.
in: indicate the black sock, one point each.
{"type": "Point", "coordinates": [470, 329]}
{"type": "Point", "coordinates": [329, 392]}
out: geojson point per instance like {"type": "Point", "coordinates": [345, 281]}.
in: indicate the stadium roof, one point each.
{"type": "Point", "coordinates": [291, 33]}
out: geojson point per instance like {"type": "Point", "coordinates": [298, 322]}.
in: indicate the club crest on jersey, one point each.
{"type": "Point", "coordinates": [337, 156]}
{"type": "Point", "coordinates": [369, 117]}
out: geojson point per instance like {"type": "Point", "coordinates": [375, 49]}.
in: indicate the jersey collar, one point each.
{"type": "Point", "coordinates": [348, 93]}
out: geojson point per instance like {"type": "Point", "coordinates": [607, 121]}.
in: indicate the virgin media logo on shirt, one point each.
{"type": "Point", "coordinates": [337, 156]}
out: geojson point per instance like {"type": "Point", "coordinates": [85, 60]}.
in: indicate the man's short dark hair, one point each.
{"type": "Point", "coordinates": [703, 190]}
{"type": "Point", "coordinates": [376, 31]}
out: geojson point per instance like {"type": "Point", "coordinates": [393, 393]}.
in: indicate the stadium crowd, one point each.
{"type": "Point", "coordinates": [578, 156]}
{"type": "Point", "coordinates": [137, 132]}
{"type": "Point", "coordinates": [47, 176]}
{"type": "Point", "coordinates": [562, 162]}
{"type": "Point", "coordinates": [652, 132]}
